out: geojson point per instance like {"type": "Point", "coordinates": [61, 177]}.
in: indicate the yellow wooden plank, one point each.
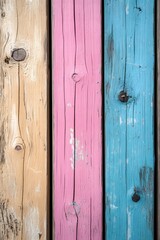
{"type": "Point", "coordinates": [23, 120]}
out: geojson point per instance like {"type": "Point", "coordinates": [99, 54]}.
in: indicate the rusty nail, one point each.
{"type": "Point", "coordinates": [19, 54]}
{"type": "Point", "coordinates": [135, 197]}
{"type": "Point", "coordinates": [123, 97]}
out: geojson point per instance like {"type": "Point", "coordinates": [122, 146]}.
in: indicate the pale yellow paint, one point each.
{"type": "Point", "coordinates": [23, 121]}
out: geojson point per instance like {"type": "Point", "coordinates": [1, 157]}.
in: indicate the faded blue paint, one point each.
{"type": "Point", "coordinates": [129, 127]}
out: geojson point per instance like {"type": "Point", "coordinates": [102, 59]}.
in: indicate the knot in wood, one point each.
{"type": "Point", "coordinates": [18, 147]}
{"type": "Point", "coordinates": [135, 197]}
{"type": "Point", "coordinates": [6, 60]}
{"type": "Point", "coordinates": [123, 96]}
{"type": "Point", "coordinates": [3, 14]}
{"type": "Point", "coordinates": [19, 54]}
{"type": "Point", "coordinates": [73, 209]}
{"type": "Point", "coordinates": [76, 78]}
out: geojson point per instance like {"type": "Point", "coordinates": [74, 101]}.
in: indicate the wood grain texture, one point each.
{"type": "Point", "coordinates": [129, 126]}
{"type": "Point", "coordinates": [77, 119]}
{"type": "Point", "coordinates": [23, 120]}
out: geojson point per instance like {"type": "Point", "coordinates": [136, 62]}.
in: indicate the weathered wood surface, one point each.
{"type": "Point", "coordinates": [77, 119]}
{"type": "Point", "coordinates": [129, 126]}
{"type": "Point", "coordinates": [23, 120]}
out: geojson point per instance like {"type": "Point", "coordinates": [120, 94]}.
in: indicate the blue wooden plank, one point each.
{"type": "Point", "coordinates": [129, 125]}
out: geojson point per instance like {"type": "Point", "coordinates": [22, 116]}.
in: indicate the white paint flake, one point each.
{"type": "Point", "coordinates": [131, 121]}
{"type": "Point", "coordinates": [127, 9]}
{"type": "Point", "coordinates": [78, 152]}
{"type": "Point", "coordinates": [112, 206]}
{"type": "Point", "coordinates": [120, 121]}
{"type": "Point", "coordinates": [69, 105]}
{"type": "Point", "coordinates": [71, 141]}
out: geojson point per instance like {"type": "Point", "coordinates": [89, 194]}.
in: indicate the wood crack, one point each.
{"type": "Point", "coordinates": [74, 121]}
{"type": "Point", "coordinates": [75, 35]}
{"type": "Point", "coordinates": [64, 72]}
{"type": "Point", "coordinates": [84, 17]}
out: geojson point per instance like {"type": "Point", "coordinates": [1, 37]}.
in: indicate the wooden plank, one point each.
{"type": "Point", "coordinates": [23, 121]}
{"type": "Point", "coordinates": [129, 126]}
{"type": "Point", "coordinates": [77, 119]}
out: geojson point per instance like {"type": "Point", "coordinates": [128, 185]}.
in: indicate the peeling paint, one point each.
{"type": "Point", "coordinates": [131, 121]}
{"type": "Point", "coordinates": [71, 141]}
{"type": "Point", "coordinates": [112, 206]}
{"type": "Point", "coordinates": [120, 120]}
{"type": "Point", "coordinates": [127, 9]}
{"type": "Point", "coordinates": [79, 151]}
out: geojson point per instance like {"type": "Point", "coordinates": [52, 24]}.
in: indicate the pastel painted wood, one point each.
{"type": "Point", "coordinates": [129, 126]}
{"type": "Point", "coordinates": [23, 120]}
{"type": "Point", "coordinates": [77, 119]}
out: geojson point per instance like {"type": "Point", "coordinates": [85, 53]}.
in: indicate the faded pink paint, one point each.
{"type": "Point", "coordinates": [77, 119]}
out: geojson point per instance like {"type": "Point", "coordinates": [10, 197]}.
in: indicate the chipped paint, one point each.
{"type": "Point", "coordinates": [120, 120]}
{"type": "Point", "coordinates": [71, 141]}
{"type": "Point", "coordinates": [131, 121]}
{"type": "Point", "coordinates": [78, 152]}
{"type": "Point", "coordinates": [127, 9]}
{"type": "Point", "coordinates": [112, 206]}
{"type": "Point", "coordinates": [69, 105]}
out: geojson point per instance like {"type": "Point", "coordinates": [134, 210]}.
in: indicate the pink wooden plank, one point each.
{"type": "Point", "coordinates": [77, 119]}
